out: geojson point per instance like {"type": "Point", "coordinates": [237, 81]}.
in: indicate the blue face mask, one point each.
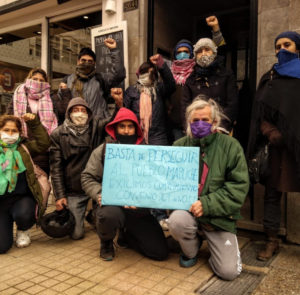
{"type": "Point", "coordinates": [285, 56]}
{"type": "Point", "coordinates": [182, 55]}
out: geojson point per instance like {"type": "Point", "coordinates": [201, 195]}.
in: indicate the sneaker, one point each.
{"type": "Point", "coordinates": [23, 239]}
{"type": "Point", "coordinates": [107, 251]}
{"type": "Point", "coordinates": [164, 224]}
{"type": "Point", "coordinates": [187, 262]}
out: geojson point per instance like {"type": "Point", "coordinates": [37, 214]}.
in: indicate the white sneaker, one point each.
{"type": "Point", "coordinates": [164, 224]}
{"type": "Point", "coordinates": [23, 239]}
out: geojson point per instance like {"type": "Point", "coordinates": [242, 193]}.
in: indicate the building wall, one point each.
{"type": "Point", "coordinates": [274, 17]}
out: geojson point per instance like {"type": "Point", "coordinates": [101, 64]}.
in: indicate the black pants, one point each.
{"type": "Point", "coordinates": [19, 209]}
{"type": "Point", "coordinates": [142, 231]}
{"type": "Point", "coordinates": [272, 210]}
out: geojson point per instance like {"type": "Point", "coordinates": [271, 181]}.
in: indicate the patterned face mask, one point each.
{"type": "Point", "coordinates": [204, 61]}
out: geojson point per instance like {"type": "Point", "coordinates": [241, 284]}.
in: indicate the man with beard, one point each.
{"type": "Point", "coordinates": [91, 86]}
{"type": "Point", "coordinates": [213, 80]}
{"type": "Point", "coordinates": [140, 230]}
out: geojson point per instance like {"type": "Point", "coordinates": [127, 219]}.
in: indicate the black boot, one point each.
{"type": "Point", "coordinates": [107, 251]}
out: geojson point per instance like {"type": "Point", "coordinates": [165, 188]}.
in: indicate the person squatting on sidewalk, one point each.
{"type": "Point", "coordinates": [71, 146]}
{"type": "Point", "coordinates": [223, 188]}
{"type": "Point", "coordinates": [140, 230]}
{"type": "Point", "coordinates": [20, 192]}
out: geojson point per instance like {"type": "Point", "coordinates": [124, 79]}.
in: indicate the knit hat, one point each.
{"type": "Point", "coordinates": [294, 36]}
{"type": "Point", "coordinates": [184, 43]}
{"type": "Point", "coordinates": [205, 42]}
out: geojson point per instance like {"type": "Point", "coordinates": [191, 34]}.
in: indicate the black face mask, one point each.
{"type": "Point", "coordinates": [85, 68]}
{"type": "Point", "coordinates": [126, 139]}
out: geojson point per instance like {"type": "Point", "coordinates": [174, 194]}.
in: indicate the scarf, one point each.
{"type": "Point", "coordinates": [83, 72]}
{"type": "Point", "coordinates": [11, 164]}
{"type": "Point", "coordinates": [76, 129]}
{"type": "Point", "coordinates": [37, 94]}
{"type": "Point", "coordinates": [181, 70]}
{"type": "Point", "coordinates": [146, 93]}
{"type": "Point", "coordinates": [288, 64]}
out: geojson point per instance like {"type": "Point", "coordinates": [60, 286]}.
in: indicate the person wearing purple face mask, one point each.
{"type": "Point", "coordinates": [275, 121]}
{"type": "Point", "coordinates": [223, 186]}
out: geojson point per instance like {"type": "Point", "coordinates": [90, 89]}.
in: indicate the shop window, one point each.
{"type": "Point", "coordinates": [20, 51]}
{"type": "Point", "coordinates": [67, 37]}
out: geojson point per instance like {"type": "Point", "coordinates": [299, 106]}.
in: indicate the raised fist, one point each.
{"type": "Point", "coordinates": [110, 43]}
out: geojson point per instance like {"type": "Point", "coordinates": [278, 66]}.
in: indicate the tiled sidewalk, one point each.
{"type": "Point", "coordinates": [63, 266]}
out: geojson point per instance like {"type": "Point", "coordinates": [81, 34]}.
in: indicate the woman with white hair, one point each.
{"type": "Point", "coordinates": [223, 186]}
{"type": "Point", "coordinates": [211, 78]}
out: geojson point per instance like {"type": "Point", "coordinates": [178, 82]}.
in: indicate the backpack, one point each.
{"type": "Point", "coordinates": [42, 179]}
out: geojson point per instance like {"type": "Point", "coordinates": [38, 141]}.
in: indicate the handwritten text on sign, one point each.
{"type": "Point", "coordinates": [150, 176]}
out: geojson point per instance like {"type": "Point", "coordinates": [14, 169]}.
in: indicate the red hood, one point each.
{"type": "Point", "coordinates": [122, 115]}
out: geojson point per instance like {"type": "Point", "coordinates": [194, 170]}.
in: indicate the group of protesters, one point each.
{"type": "Point", "coordinates": [195, 103]}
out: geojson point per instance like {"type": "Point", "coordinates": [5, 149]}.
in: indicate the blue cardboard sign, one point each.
{"type": "Point", "coordinates": [148, 176]}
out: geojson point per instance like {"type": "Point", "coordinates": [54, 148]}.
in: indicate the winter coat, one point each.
{"type": "Point", "coordinates": [91, 177]}
{"type": "Point", "coordinates": [227, 182]}
{"type": "Point", "coordinates": [158, 129]}
{"type": "Point", "coordinates": [97, 88]}
{"type": "Point", "coordinates": [70, 152]}
{"type": "Point", "coordinates": [277, 128]}
{"type": "Point", "coordinates": [220, 85]}
{"type": "Point", "coordinates": [39, 144]}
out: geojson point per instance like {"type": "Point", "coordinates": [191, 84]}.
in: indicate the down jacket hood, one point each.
{"type": "Point", "coordinates": [122, 115]}
{"type": "Point", "coordinates": [78, 101]}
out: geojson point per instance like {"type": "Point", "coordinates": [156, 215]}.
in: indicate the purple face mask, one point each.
{"type": "Point", "coordinates": [200, 129]}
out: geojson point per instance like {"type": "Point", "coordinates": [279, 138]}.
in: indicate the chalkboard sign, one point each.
{"type": "Point", "coordinates": [103, 59]}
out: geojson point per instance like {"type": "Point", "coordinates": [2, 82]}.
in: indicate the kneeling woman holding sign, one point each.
{"type": "Point", "coordinates": [139, 229]}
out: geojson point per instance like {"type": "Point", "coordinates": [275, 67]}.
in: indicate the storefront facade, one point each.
{"type": "Point", "coordinates": [50, 33]}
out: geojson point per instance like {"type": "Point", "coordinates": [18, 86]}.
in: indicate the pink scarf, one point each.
{"type": "Point", "coordinates": [181, 70]}
{"type": "Point", "coordinates": [145, 113]}
{"type": "Point", "coordinates": [37, 94]}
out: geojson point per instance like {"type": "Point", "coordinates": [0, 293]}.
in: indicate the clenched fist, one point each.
{"type": "Point", "coordinates": [117, 95]}
{"type": "Point", "coordinates": [110, 43]}
{"type": "Point", "coordinates": [213, 22]}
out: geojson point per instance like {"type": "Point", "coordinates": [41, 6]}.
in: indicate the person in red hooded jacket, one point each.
{"type": "Point", "coordinates": [139, 229]}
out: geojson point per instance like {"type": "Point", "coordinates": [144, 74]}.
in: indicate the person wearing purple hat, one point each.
{"type": "Point", "coordinates": [275, 118]}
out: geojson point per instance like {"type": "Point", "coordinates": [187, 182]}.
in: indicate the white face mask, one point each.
{"type": "Point", "coordinates": [79, 118]}
{"type": "Point", "coordinates": [145, 80]}
{"type": "Point", "coordinates": [9, 139]}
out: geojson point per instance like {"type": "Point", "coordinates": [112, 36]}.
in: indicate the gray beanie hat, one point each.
{"type": "Point", "coordinates": [205, 42]}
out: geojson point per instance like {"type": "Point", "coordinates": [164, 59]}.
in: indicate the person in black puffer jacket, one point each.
{"type": "Point", "coordinates": [212, 79]}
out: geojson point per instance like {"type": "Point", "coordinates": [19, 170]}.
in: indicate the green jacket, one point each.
{"type": "Point", "coordinates": [39, 144]}
{"type": "Point", "coordinates": [227, 181]}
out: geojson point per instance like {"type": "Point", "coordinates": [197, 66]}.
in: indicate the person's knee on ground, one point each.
{"type": "Point", "coordinates": [228, 271]}
{"type": "Point", "coordinates": [183, 228]}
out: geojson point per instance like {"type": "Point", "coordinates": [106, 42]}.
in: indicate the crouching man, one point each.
{"type": "Point", "coordinates": [140, 230]}
{"type": "Point", "coordinates": [71, 146]}
{"type": "Point", "coordinates": [224, 184]}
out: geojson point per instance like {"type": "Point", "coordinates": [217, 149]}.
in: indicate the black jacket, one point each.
{"type": "Point", "coordinates": [158, 130]}
{"type": "Point", "coordinates": [219, 85]}
{"type": "Point", "coordinates": [70, 152]}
